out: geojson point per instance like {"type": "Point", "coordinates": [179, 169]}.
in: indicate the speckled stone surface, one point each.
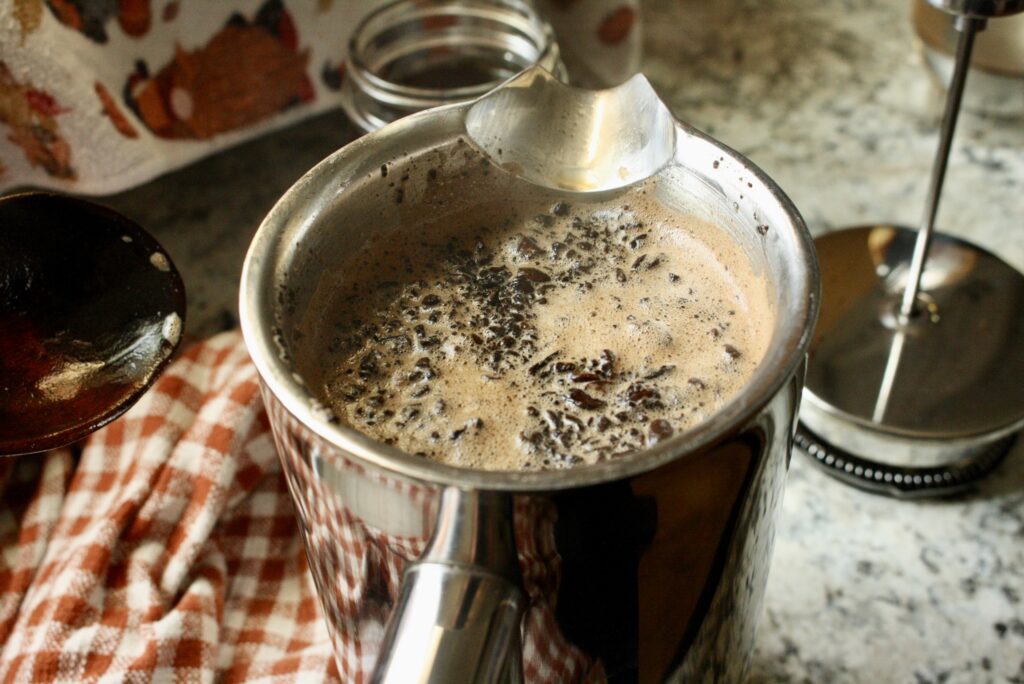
{"type": "Point", "coordinates": [832, 99]}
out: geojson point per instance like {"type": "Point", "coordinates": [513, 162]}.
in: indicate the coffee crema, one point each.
{"type": "Point", "coordinates": [526, 337]}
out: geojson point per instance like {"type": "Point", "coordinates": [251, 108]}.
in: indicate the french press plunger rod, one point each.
{"type": "Point", "coordinates": [915, 382]}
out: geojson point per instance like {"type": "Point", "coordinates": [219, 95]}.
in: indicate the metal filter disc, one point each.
{"type": "Point", "coordinates": [924, 407]}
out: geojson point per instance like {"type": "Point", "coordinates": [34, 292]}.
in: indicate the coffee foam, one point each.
{"type": "Point", "coordinates": [483, 341]}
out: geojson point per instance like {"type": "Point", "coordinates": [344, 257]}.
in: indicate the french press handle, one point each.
{"type": "Point", "coordinates": [458, 614]}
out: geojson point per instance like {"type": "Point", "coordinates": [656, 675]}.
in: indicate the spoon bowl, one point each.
{"type": "Point", "coordinates": [91, 311]}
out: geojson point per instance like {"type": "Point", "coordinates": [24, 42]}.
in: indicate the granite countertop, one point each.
{"type": "Point", "coordinates": [831, 98]}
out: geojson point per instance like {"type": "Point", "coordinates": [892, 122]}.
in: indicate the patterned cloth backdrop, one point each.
{"type": "Point", "coordinates": [100, 95]}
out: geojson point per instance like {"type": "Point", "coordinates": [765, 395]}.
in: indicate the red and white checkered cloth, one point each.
{"type": "Point", "coordinates": [168, 550]}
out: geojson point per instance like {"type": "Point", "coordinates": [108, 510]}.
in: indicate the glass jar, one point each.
{"type": "Point", "coordinates": [412, 55]}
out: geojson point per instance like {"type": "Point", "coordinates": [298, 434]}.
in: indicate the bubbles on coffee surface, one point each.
{"type": "Point", "coordinates": [550, 336]}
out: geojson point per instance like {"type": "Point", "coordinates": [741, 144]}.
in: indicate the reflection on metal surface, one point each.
{"type": "Point", "coordinates": [458, 614]}
{"type": "Point", "coordinates": [659, 576]}
{"type": "Point", "coordinates": [932, 391]}
{"type": "Point", "coordinates": [892, 365]}
{"type": "Point", "coordinates": [639, 568]}
{"type": "Point", "coordinates": [573, 139]}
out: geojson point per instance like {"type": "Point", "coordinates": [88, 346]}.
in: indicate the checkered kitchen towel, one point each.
{"type": "Point", "coordinates": [167, 550]}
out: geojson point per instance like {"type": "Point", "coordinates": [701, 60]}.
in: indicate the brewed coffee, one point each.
{"type": "Point", "coordinates": [536, 336]}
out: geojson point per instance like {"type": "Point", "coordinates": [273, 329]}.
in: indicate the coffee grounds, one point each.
{"type": "Point", "coordinates": [580, 334]}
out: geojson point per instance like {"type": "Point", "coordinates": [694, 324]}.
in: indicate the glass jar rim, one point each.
{"type": "Point", "coordinates": [509, 30]}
